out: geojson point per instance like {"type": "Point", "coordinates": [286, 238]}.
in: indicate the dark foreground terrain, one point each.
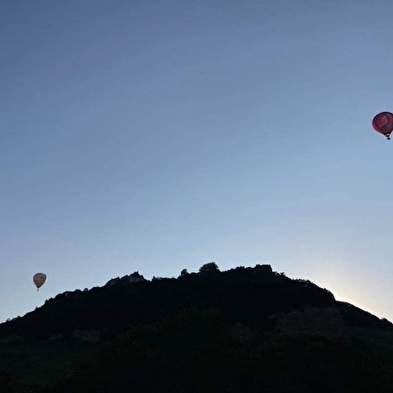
{"type": "Point", "coordinates": [242, 330]}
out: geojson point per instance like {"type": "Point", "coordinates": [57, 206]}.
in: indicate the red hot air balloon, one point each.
{"type": "Point", "coordinates": [383, 123]}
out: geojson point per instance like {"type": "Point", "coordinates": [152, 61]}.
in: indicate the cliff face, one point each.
{"type": "Point", "coordinates": [127, 279]}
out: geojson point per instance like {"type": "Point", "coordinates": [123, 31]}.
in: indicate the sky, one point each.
{"type": "Point", "coordinates": [156, 136]}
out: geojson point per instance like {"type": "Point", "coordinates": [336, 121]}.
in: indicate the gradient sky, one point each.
{"type": "Point", "coordinates": [154, 136]}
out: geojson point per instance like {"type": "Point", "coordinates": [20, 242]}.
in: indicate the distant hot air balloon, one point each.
{"type": "Point", "coordinates": [39, 280]}
{"type": "Point", "coordinates": [383, 123]}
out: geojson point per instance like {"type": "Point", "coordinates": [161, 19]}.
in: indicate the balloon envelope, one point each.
{"type": "Point", "coordinates": [383, 123]}
{"type": "Point", "coordinates": [39, 279]}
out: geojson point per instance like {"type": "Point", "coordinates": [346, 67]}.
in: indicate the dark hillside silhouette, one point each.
{"type": "Point", "coordinates": [247, 295]}
{"type": "Point", "coordinates": [198, 351]}
{"type": "Point", "coordinates": [241, 330]}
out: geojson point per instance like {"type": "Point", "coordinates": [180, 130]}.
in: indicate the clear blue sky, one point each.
{"type": "Point", "coordinates": [154, 136]}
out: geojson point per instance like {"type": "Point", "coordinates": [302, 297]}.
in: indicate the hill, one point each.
{"type": "Point", "coordinates": [245, 329]}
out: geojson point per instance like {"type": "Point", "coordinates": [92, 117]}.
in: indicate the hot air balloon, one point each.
{"type": "Point", "coordinates": [39, 280]}
{"type": "Point", "coordinates": [383, 123]}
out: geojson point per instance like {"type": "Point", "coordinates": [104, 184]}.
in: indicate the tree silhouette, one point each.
{"type": "Point", "coordinates": [210, 267]}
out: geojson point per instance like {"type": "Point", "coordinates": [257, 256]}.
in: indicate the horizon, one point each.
{"type": "Point", "coordinates": [190, 272]}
